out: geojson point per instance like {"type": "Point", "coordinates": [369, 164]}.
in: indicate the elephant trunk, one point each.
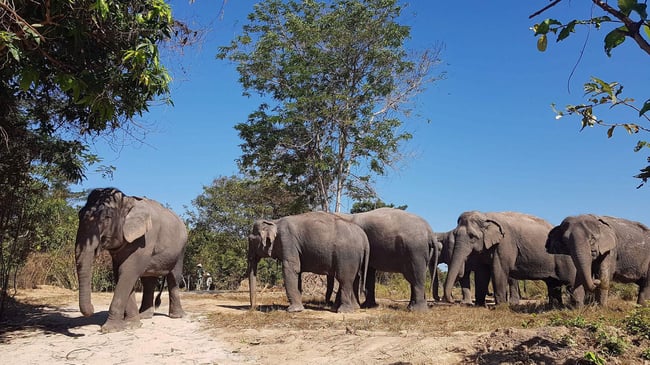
{"type": "Point", "coordinates": [252, 281]}
{"type": "Point", "coordinates": [582, 260]}
{"type": "Point", "coordinates": [456, 270]}
{"type": "Point", "coordinates": [84, 256]}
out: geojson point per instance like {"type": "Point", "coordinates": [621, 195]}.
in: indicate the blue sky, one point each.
{"type": "Point", "coordinates": [485, 139]}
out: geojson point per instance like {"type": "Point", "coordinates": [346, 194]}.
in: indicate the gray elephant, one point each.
{"type": "Point", "coordinates": [400, 242]}
{"type": "Point", "coordinates": [514, 244]}
{"type": "Point", "coordinates": [607, 248]}
{"type": "Point", "coordinates": [318, 242]}
{"type": "Point", "coordinates": [145, 240]}
{"type": "Point", "coordinates": [476, 263]}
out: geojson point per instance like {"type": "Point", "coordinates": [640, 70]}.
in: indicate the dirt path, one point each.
{"type": "Point", "coordinates": [47, 328]}
{"type": "Point", "coordinates": [63, 336]}
{"type": "Point", "coordinates": [59, 334]}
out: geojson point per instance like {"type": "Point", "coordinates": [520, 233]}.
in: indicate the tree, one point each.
{"type": "Point", "coordinates": [69, 72]}
{"type": "Point", "coordinates": [335, 77]}
{"type": "Point", "coordinates": [221, 221]}
{"type": "Point", "coordinates": [368, 205]}
{"type": "Point", "coordinates": [628, 19]}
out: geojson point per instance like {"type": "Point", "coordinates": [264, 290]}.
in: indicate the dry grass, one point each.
{"type": "Point", "coordinates": [392, 316]}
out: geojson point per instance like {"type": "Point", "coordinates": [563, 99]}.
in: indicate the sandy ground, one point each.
{"type": "Point", "coordinates": [46, 327]}
{"type": "Point", "coordinates": [59, 334]}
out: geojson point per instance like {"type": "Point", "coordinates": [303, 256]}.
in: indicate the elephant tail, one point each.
{"type": "Point", "coordinates": [158, 301]}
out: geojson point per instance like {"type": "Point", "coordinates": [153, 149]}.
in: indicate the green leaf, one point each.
{"type": "Point", "coordinates": [542, 42]}
{"type": "Point", "coordinates": [614, 39]}
{"type": "Point", "coordinates": [646, 107]}
{"type": "Point", "coordinates": [626, 6]}
{"type": "Point", "coordinates": [646, 30]}
{"type": "Point", "coordinates": [566, 31]}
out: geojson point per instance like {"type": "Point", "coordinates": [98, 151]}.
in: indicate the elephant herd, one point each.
{"type": "Point", "coordinates": [585, 253]}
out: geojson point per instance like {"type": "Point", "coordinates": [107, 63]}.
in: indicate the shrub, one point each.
{"type": "Point", "coordinates": [637, 323]}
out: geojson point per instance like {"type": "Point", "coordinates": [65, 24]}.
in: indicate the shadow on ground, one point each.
{"type": "Point", "coordinates": [21, 317]}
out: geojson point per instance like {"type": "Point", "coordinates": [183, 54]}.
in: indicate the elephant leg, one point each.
{"type": "Point", "coordinates": [482, 276]}
{"type": "Point", "coordinates": [644, 289]}
{"type": "Point", "coordinates": [370, 289]}
{"type": "Point", "coordinates": [500, 282]}
{"type": "Point", "coordinates": [131, 313]}
{"type": "Point", "coordinates": [605, 275]}
{"type": "Point", "coordinates": [514, 297]}
{"type": "Point", "coordinates": [418, 300]}
{"type": "Point", "coordinates": [347, 302]}
{"type": "Point", "coordinates": [148, 289]}
{"type": "Point", "coordinates": [329, 290]}
{"type": "Point", "coordinates": [577, 295]}
{"type": "Point", "coordinates": [465, 286]}
{"type": "Point", "coordinates": [291, 285]}
{"type": "Point", "coordinates": [435, 285]}
{"type": "Point", "coordinates": [122, 298]}
{"type": "Point", "coordinates": [554, 289]}
{"type": "Point", "coordinates": [173, 278]}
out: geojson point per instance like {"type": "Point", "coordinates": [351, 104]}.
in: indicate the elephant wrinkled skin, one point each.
{"type": "Point", "coordinates": [145, 240]}
{"type": "Point", "coordinates": [605, 249]}
{"type": "Point", "coordinates": [317, 242]}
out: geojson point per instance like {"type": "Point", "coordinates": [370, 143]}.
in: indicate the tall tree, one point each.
{"type": "Point", "coordinates": [69, 71]}
{"type": "Point", "coordinates": [337, 78]}
{"type": "Point", "coordinates": [627, 20]}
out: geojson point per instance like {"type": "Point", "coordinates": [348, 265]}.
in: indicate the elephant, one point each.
{"type": "Point", "coordinates": [515, 246]}
{"type": "Point", "coordinates": [607, 248]}
{"type": "Point", "coordinates": [475, 263]}
{"type": "Point", "coordinates": [145, 240]}
{"type": "Point", "coordinates": [400, 242]}
{"type": "Point", "coordinates": [318, 242]}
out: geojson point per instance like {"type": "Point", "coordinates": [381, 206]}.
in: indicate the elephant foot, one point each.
{"type": "Point", "coordinates": [147, 314]}
{"type": "Point", "coordinates": [177, 314]}
{"type": "Point", "coordinates": [418, 307]}
{"type": "Point", "coordinates": [120, 325]}
{"type": "Point", "coordinates": [295, 308]}
{"type": "Point", "coordinates": [346, 308]}
{"type": "Point", "coordinates": [467, 302]}
{"type": "Point", "coordinates": [369, 304]}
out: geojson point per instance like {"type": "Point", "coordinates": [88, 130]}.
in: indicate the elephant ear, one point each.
{"type": "Point", "coordinates": [605, 238]}
{"type": "Point", "coordinates": [137, 222]}
{"type": "Point", "coordinates": [492, 233]}
{"type": "Point", "coordinates": [268, 231]}
{"type": "Point", "coordinates": [555, 243]}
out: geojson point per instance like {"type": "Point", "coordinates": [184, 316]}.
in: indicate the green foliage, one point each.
{"type": "Point", "coordinates": [637, 323]}
{"type": "Point", "coordinates": [368, 205]}
{"type": "Point", "coordinates": [70, 71]}
{"type": "Point", "coordinates": [593, 358]}
{"type": "Point", "coordinates": [338, 74]}
{"type": "Point", "coordinates": [221, 220]}
{"type": "Point", "coordinates": [611, 343]}
{"type": "Point", "coordinates": [633, 16]}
